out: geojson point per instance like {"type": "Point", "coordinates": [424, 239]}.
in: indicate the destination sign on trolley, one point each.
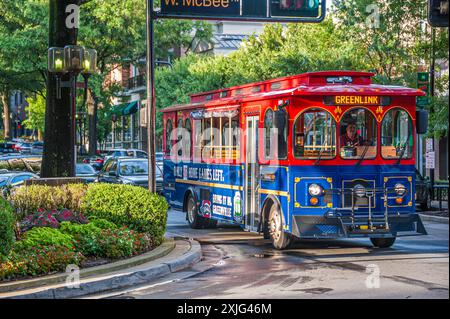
{"type": "Point", "coordinates": [256, 10]}
{"type": "Point", "coordinates": [357, 100]}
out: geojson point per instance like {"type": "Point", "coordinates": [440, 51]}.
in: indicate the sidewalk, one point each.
{"type": "Point", "coordinates": [436, 215]}
{"type": "Point", "coordinates": [172, 256]}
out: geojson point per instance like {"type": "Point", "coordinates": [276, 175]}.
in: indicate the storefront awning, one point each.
{"type": "Point", "coordinates": [125, 109]}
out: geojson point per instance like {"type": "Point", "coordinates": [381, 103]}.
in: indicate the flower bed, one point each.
{"type": "Point", "coordinates": [47, 238]}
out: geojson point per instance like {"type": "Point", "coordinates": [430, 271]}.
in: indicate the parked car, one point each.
{"type": "Point", "coordinates": [423, 191]}
{"type": "Point", "coordinates": [134, 153]}
{"type": "Point", "coordinates": [14, 179]}
{"type": "Point", "coordinates": [86, 172]}
{"type": "Point", "coordinates": [95, 161]}
{"type": "Point", "coordinates": [130, 171]}
{"type": "Point", "coordinates": [7, 148]}
{"type": "Point", "coordinates": [37, 148]}
{"type": "Point", "coordinates": [24, 148]}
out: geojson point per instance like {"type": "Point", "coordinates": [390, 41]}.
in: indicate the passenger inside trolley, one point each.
{"type": "Point", "coordinates": [359, 135]}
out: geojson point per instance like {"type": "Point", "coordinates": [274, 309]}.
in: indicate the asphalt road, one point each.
{"type": "Point", "coordinates": [237, 264]}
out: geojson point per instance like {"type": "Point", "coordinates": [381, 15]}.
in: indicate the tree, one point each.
{"type": "Point", "coordinates": [36, 114]}
{"type": "Point", "coordinates": [117, 30]}
{"type": "Point", "coordinates": [276, 52]}
{"type": "Point", "coordinates": [396, 41]}
{"type": "Point", "coordinates": [22, 51]}
{"type": "Point", "coordinates": [59, 139]}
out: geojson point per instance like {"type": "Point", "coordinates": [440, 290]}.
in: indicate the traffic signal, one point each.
{"type": "Point", "coordinates": [438, 13]}
{"type": "Point", "coordinates": [423, 83]}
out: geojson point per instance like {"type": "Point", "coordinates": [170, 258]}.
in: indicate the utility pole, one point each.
{"type": "Point", "coordinates": [59, 140]}
{"type": "Point", "coordinates": [151, 105]}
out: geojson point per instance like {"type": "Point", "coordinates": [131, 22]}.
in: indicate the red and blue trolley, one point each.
{"type": "Point", "coordinates": [316, 155]}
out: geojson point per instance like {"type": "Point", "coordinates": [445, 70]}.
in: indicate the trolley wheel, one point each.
{"type": "Point", "coordinates": [266, 231]}
{"type": "Point", "coordinates": [194, 219]}
{"type": "Point", "coordinates": [280, 239]}
{"type": "Point", "coordinates": [383, 242]}
{"type": "Point", "coordinates": [210, 223]}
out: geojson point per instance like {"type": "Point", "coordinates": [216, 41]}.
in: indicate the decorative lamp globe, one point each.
{"type": "Point", "coordinates": [90, 61]}
{"type": "Point", "coordinates": [74, 56]}
{"type": "Point", "coordinates": [56, 60]}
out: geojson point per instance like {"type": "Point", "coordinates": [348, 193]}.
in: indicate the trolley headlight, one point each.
{"type": "Point", "coordinates": [400, 189]}
{"type": "Point", "coordinates": [359, 190]}
{"type": "Point", "coordinates": [315, 190]}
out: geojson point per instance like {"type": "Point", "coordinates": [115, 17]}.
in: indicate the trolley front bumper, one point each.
{"type": "Point", "coordinates": [361, 226]}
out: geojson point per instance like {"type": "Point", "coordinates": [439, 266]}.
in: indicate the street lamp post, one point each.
{"type": "Point", "coordinates": [151, 103]}
{"type": "Point", "coordinates": [71, 60]}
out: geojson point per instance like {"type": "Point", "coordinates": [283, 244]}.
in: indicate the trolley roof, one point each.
{"type": "Point", "coordinates": [324, 83]}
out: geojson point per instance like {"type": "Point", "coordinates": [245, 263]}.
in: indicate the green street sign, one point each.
{"type": "Point", "coordinates": [249, 10]}
{"type": "Point", "coordinates": [423, 83]}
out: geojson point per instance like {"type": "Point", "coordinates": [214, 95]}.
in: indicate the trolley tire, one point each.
{"type": "Point", "coordinates": [266, 232]}
{"type": "Point", "coordinates": [195, 221]}
{"type": "Point", "coordinates": [383, 242]}
{"type": "Point", "coordinates": [210, 223]}
{"type": "Point", "coordinates": [280, 239]}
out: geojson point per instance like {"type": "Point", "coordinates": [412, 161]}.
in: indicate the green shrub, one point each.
{"type": "Point", "coordinates": [84, 237]}
{"type": "Point", "coordinates": [40, 237]}
{"type": "Point", "coordinates": [38, 261]}
{"type": "Point", "coordinates": [129, 206]}
{"type": "Point", "coordinates": [6, 227]}
{"type": "Point", "coordinates": [102, 223]}
{"type": "Point", "coordinates": [113, 243]}
{"type": "Point", "coordinates": [30, 199]}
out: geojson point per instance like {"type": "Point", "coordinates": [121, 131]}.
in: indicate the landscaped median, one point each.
{"type": "Point", "coordinates": [44, 229]}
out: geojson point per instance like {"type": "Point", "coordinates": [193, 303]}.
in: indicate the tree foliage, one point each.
{"type": "Point", "coordinates": [36, 113]}
{"type": "Point", "coordinates": [276, 52]}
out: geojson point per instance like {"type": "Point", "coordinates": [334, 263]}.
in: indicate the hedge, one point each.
{"type": "Point", "coordinates": [6, 227]}
{"type": "Point", "coordinates": [123, 205]}
{"type": "Point", "coordinates": [130, 206]}
{"type": "Point", "coordinates": [28, 200]}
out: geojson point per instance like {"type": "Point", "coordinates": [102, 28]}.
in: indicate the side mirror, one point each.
{"type": "Point", "coordinates": [422, 121]}
{"type": "Point", "coordinates": [113, 174]}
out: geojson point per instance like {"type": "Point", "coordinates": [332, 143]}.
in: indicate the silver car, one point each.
{"type": "Point", "coordinates": [133, 153]}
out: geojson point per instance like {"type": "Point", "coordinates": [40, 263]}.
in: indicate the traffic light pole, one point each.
{"type": "Point", "coordinates": [151, 105]}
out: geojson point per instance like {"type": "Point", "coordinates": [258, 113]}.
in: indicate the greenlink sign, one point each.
{"type": "Point", "coordinates": [423, 83]}
{"type": "Point", "coordinates": [251, 10]}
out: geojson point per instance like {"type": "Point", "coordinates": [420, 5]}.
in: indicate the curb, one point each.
{"type": "Point", "coordinates": [435, 219]}
{"type": "Point", "coordinates": [164, 249]}
{"type": "Point", "coordinates": [141, 274]}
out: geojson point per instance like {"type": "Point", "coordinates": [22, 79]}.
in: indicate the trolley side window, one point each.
{"type": "Point", "coordinates": [275, 134]}
{"type": "Point", "coordinates": [187, 140]}
{"type": "Point", "coordinates": [219, 136]}
{"type": "Point", "coordinates": [315, 135]}
{"type": "Point", "coordinates": [397, 135]}
{"type": "Point", "coordinates": [169, 129]}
